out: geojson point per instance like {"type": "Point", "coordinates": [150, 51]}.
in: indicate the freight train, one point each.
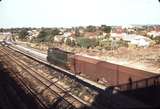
{"type": "Point", "coordinates": [96, 70]}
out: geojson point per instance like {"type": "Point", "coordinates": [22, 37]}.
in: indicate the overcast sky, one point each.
{"type": "Point", "coordinates": [64, 13]}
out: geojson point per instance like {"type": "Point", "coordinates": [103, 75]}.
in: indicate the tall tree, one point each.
{"type": "Point", "coordinates": [105, 28]}
{"type": "Point", "coordinates": [77, 33]}
{"type": "Point", "coordinates": [54, 32]}
{"type": "Point", "coordinates": [23, 33]}
{"type": "Point", "coordinates": [91, 28]}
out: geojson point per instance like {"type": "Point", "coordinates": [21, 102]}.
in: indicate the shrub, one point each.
{"type": "Point", "coordinates": [106, 43]}
{"type": "Point", "coordinates": [86, 42]}
{"type": "Point", "coordinates": [122, 43]}
{"type": "Point", "coordinates": [157, 39]}
{"type": "Point", "coordinates": [112, 44]}
{"type": "Point", "coordinates": [70, 42]}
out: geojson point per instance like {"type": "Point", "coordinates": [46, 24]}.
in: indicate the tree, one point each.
{"type": "Point", "coordinates": [77, 33]}
{"type": "Point", "coordinates": [70, 42]}
{"type": "Point", "coordinates": [23, 34]}
{"type": "Point", "coordinates": [157, 39]}
{"type": "Point", "coordinates": [54, 32]}
{"type": "Point", "coordinates": [1, 30]}
{"type": "Point", "coordinates": [91, 28]}
{"type": "Point", "coordinates": [46, 34]}
{"type": "Point", "coordinates": [105, 28]}
{"type": "Point", "coordinates": [42, 36]}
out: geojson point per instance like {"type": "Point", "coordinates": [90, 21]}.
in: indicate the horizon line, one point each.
{"type": "Point", "coordinates": [78, 26]}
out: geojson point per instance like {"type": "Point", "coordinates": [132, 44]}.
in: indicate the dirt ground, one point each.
{"type": "Point", "coordinates": [147, 59]}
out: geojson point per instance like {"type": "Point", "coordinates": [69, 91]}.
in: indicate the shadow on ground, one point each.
{"type": "Point", "coordinates": [12, 96]}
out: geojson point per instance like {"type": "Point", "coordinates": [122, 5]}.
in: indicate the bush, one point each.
{"type": "Point", "coordinates": [70, 42]}
{"type": "Point", "coordinates": [112, 44]}
{"type": "Point", "coordinates": [157, 39]}
{"type": "Point", "coordinates": [86, 42]}
{"type": "Point", "coordinates": [106, 43]}
{"type": "Point", "coordinates": [122, 43]}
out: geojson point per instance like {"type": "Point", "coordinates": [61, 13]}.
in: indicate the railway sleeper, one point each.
{"type": "Point", "coordinates": [60, 81]}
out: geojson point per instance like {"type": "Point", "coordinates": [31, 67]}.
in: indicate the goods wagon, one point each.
{"type": "Point", "coordinates": [96, 70]}
{"type": "Point", "coordinates": [107, 73]}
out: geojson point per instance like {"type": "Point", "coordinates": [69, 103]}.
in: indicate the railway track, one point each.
{"type": "Point", "coordinates": [12, 95]}
{"type": "Point", "coordinates": [51, 87]}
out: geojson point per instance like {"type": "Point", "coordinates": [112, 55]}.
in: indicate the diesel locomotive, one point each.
{"type": "Point", "coordinates": [60, 58]}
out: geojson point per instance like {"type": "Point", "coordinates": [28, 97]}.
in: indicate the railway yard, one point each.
{"type": "Point", "coordinates": [34, 83]}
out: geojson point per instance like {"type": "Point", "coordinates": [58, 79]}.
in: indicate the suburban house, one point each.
{"type": "Point", "coordinates": [33, 33]}
{"type": "Point", "coordinates": [138, 40]}
{"type": "Point", "coordinates": [58, 38]}
{"type": "Point", "coordinates": [117, 33]}
{"type": "Point", "coordinates": [64, 37]}
{"type": "Point", "coordinates": [5, 35]}
{"type": "Point", "coordinates": [154, 34]}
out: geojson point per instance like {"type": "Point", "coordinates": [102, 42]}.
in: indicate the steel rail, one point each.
{"type": "Point", "coordinates": [53, 92]}
{"type": "Point", "coordinates": [29, 70]}
{"type": "Point", "coordinates": [23, 84]}
{"type": "Point", "coordinates": [48, 80]}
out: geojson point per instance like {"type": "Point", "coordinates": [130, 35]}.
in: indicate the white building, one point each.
{"type": "Point", "coordinates": [32, 33]}
{"type": "Point", "coordinates": [154, 34]}
{"type": "Point", "coordinates": [67, 34]}
{"type": "Point", "coordinates": [118, 35]}
{"type": "Point", "coordinates": [138, 40]}
{"type": "Point", "coordinates": [58, 38]}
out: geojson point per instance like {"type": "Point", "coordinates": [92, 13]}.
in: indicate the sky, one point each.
{"type": "Point", "coordinates": [66, 13]}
